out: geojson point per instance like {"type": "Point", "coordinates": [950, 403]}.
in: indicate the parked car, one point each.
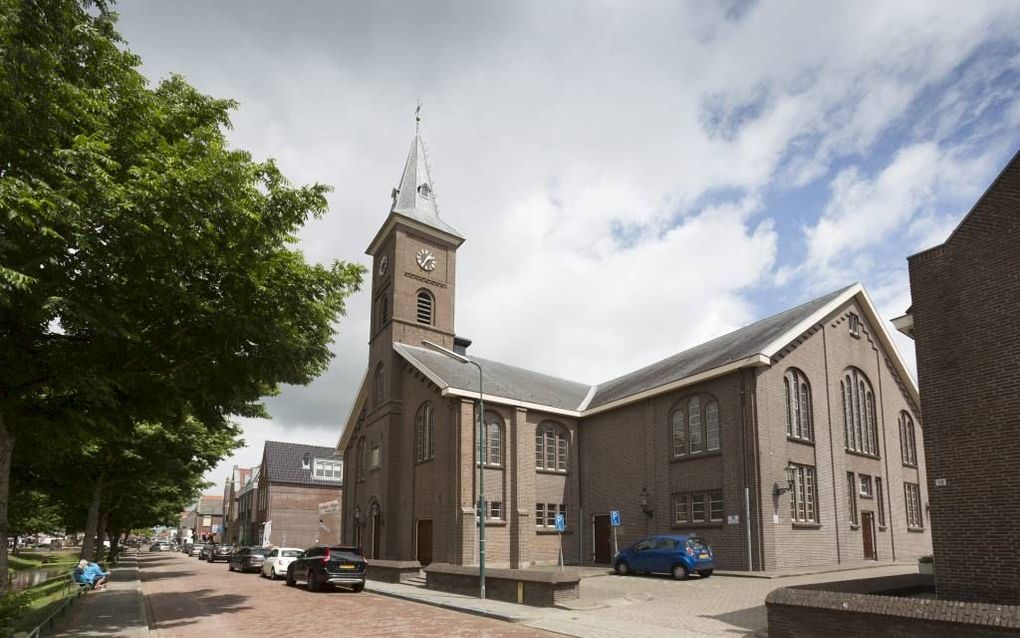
{"type": "Point", "coordinates": [196, 550]}
{"type": "Point", "coordinates": [277, 561]}
{"type": "Point", "coordinates": [203, 554]}
{"type": "Point", "coordinates": [247, 559]}
{"type": "Point", "coordinates": [334, 565]}
{"type": "Point", "coordinates": [219, 552]}
{"type": "Point", "coordinates": [675, 554]}
{"type": "Point", "coordinates": [160, 546]}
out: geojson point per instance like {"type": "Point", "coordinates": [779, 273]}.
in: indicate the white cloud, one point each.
{"type": "Point", "coordinates": [608, 224]}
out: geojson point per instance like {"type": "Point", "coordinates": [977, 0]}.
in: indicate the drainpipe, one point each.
{"type": "Point", "coordinates": [832, 446]}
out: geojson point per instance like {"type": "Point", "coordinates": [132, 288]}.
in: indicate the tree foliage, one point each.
{"type": "Point", "coordinates": [148, 274]}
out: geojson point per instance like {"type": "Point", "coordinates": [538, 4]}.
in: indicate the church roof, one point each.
{"type": "Point", "coordinates": [752, 345]}
{"type": "Point", "coordinates": [739, 345]}
{"type": "Point", "coordinates": [503, 383]}
{"type": "Point", "coordinates": [415, 197]}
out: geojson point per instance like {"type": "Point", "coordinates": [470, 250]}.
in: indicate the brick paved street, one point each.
{"type": "Point", "coordinates": [188, 597]}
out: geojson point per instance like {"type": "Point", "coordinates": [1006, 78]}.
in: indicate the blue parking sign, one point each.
{"type": "Point", "coordinates": [614, 518]}
{"type": "Point", "coordinates": [561, 523]}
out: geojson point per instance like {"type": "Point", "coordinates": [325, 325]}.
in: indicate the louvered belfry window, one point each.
{"type": "Point", "coordinates": [426, 304]}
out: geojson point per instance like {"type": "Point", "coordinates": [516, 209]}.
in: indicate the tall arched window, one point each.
{"type": "Point", "coordinates": [426, 302]}
{"type": "Point", "coordinates": [712, 426]}
{"type": "Point", "coordinates": [379, 385]}
{"type": "Point", "coordinates": [908, 444]}
{"type": "Point", "coordinates": [860, 422]}
{"type": "Point", "coordinates": [679, 430]}
{"type": "Point", "coordinates": [361, 459]}
{"type": "Point", "coordinates": [425, 433]}
{"type": "Point", "coordinates": [551, 447]}
{"type": "Point", "coordinates": [799, 415]}
{"type": "Point", "coordinates": [694, 426]}
{"type": "Point", "coordinates": [493, 439]}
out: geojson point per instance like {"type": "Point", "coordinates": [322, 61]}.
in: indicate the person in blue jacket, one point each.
{"type": "Point", "coordinates": [92, 574]}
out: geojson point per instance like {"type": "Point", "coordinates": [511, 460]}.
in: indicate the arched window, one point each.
{"type": "Point", "coordinates": [425, 433]}
{"type": "Point", "coordinates": [493, 439]}
{"type": "Point", "coordinates": [908, 444]}
{"type": "Point", "coordinates": [361, 459]}
{"type": "Point", "coordinates": [679, 433]}
{"type": "Point", "coordinates": [551, 447]}
{"type": "Point", "coordinates": [860, 423]}
{"type": "Point", "coordinates": [694, 426]}
{"type": "Point", "coordinates": [425, 305]}
{"type": "Point", "coordinates": [799, 415]}
{"type": "Point", "coordinates": [712, 426]}
{"type": "Point", "coordinates": [379, 385]}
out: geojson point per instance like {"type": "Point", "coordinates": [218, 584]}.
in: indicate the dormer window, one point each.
{"type": "Point", "coordinates": [425, 191]}
{"type": "Point", "coordinates": [328, 470]}
{"type": "Point", "coordinates": [855, 324]}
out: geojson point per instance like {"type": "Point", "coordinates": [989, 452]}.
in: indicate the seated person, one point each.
{"type": "Point", "coordinates": [78, 575]}
{"type": "Point", "coordinates": [93, 574]}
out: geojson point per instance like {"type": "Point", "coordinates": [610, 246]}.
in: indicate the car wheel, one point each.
{"type": "Point", "coordinates": [705, 573]}
{"type": "Point", "coordinates": [290, 578]}
{"type": "Point", "coordinates": [358, 588]}
{"type": "Point", "coordinates": [679, 571]}
{"type": "Point", "coordinates": [622, 568]}
{"type": "Point", "coordinates": [230, 566]}
{"type": "Point", "coordinates": [313, 582]}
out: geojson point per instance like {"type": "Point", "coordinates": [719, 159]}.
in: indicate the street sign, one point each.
{"type": "Point", "coordinates": [614, 518]}
{"type": "Point", "coordinates": [561, 523]}
{"type": "Point", "coordinates": [329, 507]}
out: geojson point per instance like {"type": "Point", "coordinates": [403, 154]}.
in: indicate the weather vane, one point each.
{"type": "Point", "coordinates": [417, 112]}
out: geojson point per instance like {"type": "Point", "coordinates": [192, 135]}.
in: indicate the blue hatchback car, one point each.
{"type": "Point", "coordinates": [676, 554]}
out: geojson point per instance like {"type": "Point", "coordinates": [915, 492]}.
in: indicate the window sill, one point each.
{"type": "Point", "coordinates": [425, 462]}
{"type": "Point", "coordinates": [542, 531]}
{"type": "Point", "coordinates": [545, 471]}
{"type": "Point", "coordinates": [912, 466]}
{"type": "Point", "coordinates": [696, 455]}
{"type": "Point", "coordinates": [493, 522]}
{"type": "Point", "coordinates": [875, 457]}
{"type": "Point", "coordinates": [916, 530]}
{"type": "Point", "coordinates": [855, 526]}
{"type": "Point", "coordinates": [868, 496]}
{"type": "Point", "coordinates": [490, 466]}
{"type": "Point", "coordinates": [699, 525]}
{"type": "Point", "coordinates": [794, 439]}
{"type": "Point", "coordinates": [883, 528]}
{"type": "Point", "coordinates": [806, 525]}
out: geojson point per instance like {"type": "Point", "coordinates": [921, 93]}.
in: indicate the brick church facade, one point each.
{"type": "Point", "coordinates": [794, 441]}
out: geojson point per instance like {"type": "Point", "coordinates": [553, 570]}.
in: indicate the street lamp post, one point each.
{"type": "Point", "coordinates": [481, 466]}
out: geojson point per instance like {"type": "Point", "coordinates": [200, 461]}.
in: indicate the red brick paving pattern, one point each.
{"type": "Point", "coordinates": [187, 597]}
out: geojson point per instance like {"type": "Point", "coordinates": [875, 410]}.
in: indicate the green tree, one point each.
{"type": "Point", "coordinates": [147, 271]}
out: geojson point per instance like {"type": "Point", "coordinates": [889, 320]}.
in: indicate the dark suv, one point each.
{"type": "Point", "coordinates": [247, 558]}
{"type": "Point", "coordinates": [321, 565]}
{"type": "Point", "coordinates": [220, 552]}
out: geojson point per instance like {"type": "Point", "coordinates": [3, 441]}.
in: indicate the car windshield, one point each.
{"type": "Point", "coordinates": [696, 544]}
{"type": "Point", "coordinates": [344, 553]}
{"type": "Point", "coordinates": [290, 553]}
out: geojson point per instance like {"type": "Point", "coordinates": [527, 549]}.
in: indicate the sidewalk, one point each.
{"type": "Point", "coordinates": [568, 623]}
{"type": "Point", "coordinates": [118, 611]}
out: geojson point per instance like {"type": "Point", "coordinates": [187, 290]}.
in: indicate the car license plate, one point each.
{"type": "Point", "coordinates": [704, 556]}
{"type": "Point", "coordinates": [346, 565]}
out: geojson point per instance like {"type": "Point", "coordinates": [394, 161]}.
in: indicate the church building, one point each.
{"type": "Point", "coordinates": [795, 441]}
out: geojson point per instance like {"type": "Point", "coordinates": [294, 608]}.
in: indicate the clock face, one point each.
{"type": "Point", "coordinates": [384, 263]}
{"type": "Point", "coordinates": [426, 260]}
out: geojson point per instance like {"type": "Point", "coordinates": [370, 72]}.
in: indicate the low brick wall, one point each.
{"type": "Point", "coordinates": [539, 588]}
{"type": "Point", "coordinates": [392, 571]}
{"type": "Point", "coordinates": [867, 607]}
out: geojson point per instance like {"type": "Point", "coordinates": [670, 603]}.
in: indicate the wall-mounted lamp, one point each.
{"type": "Point", "coordinates": [788, 483]}
{"type": "Point", "coordinates": [357, 514]}
{"type": "Point", "coordinates": [645, 507]}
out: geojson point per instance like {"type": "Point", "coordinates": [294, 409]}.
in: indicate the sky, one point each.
{"type": "Point", "coordinates": [633, 178]}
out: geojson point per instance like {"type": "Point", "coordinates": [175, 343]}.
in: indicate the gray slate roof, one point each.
{"type": "Point", "coordinates": [209, 506]}
{"type": "Point", "coordinates": [501, 380]}
{"type": "Point", "coordinates": [740, 344]}
{"type": "Point", "coordinates": [283, 462]}
{"type": "Point", "coordinates": [510, 382]}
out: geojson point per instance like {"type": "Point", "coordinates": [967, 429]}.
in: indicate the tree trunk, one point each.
{"type": "Point", "coordinates": [101, 536]}
{"type": "Point", "coordinates": [6, 450]}
{"type": "Point", "coordinates": [88, 551]}
{"type": "Point", "coordinates": [114, 545]}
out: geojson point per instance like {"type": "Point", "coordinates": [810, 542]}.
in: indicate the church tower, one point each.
{"type": "Point", "coordinates": [414, 264]}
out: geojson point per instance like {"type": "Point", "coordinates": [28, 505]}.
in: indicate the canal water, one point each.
{"type": "Point", "coordinates": [27, 578]}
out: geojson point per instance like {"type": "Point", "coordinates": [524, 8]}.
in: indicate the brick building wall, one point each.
{"type": "Point", "coordinates": [294, 511]}
{"type": "Point", "coordinates": [966, 300]}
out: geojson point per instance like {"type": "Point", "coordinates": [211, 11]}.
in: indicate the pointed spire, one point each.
{"type": "Point", "coordinates": [415, 196]}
